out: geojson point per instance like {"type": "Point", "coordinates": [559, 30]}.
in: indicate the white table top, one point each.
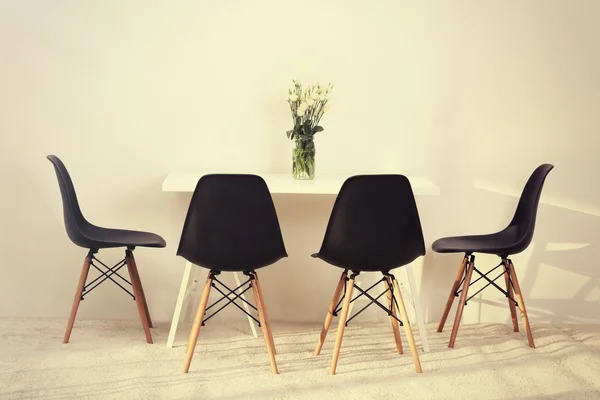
{"type": "Point", "coordinates": [285, 183]}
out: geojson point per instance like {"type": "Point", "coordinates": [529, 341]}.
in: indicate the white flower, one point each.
{"type": "Point", "coordinates": [301, 111]}
{"type": "Point", "coordinates": [310, 101]}
{"type": "Point", "coordinates": [304, 105]}
{"type": "Point", "coordinates": [293, 97]}
{"type": "Point", "coordinates": [314, 95]}
{"type": "Point", "coordinates": [322, 97]}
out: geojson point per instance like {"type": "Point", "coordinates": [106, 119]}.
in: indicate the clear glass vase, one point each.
{"type": "Point", "coordinates": [303, 158]}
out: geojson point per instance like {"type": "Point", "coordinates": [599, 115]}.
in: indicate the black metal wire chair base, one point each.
{"type": "Point", "coordinates": [231, 300]}
{"type": "Point", "coordinates": [491, 282]}
{"type": "Point", "coordinates": [106, 274]}
{"type": "Point", "coordinates": [373, 300]}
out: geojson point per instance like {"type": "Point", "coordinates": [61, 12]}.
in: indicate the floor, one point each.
{"type": "Point", "coordinates": [110, 360]}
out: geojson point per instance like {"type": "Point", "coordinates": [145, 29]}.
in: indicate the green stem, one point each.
{"type": "Point", "coordinates": [303, 158]}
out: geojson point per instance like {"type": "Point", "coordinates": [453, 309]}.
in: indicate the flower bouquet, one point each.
{"type": "Point", "coordinates": [307, 105]}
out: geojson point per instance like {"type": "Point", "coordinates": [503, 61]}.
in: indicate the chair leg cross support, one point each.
{"type": "Point", "coordinates": [490, 282]}
{"type": "Point", "coordinates": [374, 300]}
{"type": "Point", "coordinates": [395, 303]}
{"type": "Point", "coordinates": [263, 319]}
{"type": "Point", "coordinates": [512, 293]}
{"type": "Point", "coordinates": [104, 276]}
{"type": "Point", "coordinates": [84, 289]}
{"type": "Point", "coordinates": [236, 296]}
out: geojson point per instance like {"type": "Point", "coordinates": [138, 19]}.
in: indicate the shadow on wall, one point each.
{"type": "Point", "coordinates": [558, 273]}
{"type": "Point", "coordinates": [562, 281]}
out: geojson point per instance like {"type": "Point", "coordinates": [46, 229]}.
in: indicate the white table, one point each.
{"type": "Point", "coordinates": [286, 184]}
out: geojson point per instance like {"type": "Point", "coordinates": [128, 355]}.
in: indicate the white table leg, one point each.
{"type": "Point", "coordinates": [187, 272]}
{"type": "Point", "coordinates": [417, 304]}
{"type": "Point", "coordinates": [191, 300]}
{"type": "Point", "coordinates": [250, 320]}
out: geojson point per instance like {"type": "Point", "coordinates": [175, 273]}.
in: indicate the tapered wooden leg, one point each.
{"type": "Point", "coordinates": [521, 304]}
{"type": "Point", "coordinates": [389, 286]}
{"type": "Point", "coordinates": [77, 299]}
{"type": "Point", "coordinates": [138, 296]}
{"type": "Point", "coordinates": [407, 329]}
{"type": "Point", "coordinates": [265, 313]}
{"type": "Point", "coordinates": [141, 289]}
{"type": "Point", "coordinates": [459, 276]}
{"type": "Point", "coordinates": [330, 311]}
{"type": "Point", "coordinates": [193, 339]}
{"type": "Point", "coordinates": [342, 324]}
{"type": "Point", "coordinates": [511, 295]}
{"type": "Point", "coordinates": [462, 300]}
{"type": "Point", "coordinates": [265, 327]}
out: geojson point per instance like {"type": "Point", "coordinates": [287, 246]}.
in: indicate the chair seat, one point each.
{"type": "Point", "coordinates": [365, 263]}
{"type": "Point", "coordinates": [502, 243]}
{"type": "Point", "coordinates": [234, 265]}
{"type": "Point", "coordinates": [102, 238]}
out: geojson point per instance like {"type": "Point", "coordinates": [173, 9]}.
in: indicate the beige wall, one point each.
{"type": "Point", "coordinates": [472, 94]}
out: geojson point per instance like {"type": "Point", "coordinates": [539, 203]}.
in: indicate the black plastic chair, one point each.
{"type": "Point", "coordinates": [84, 234]}
{"type": "Point", "coordinates": [374, 227]}
{"type": "Point", "coordinates": [515, 238]}
{"type": "Point", "coordinates": [231, 225]}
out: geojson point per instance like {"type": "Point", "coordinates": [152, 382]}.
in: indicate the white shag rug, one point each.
{"type": "Point", "coordinates": [110, 360]}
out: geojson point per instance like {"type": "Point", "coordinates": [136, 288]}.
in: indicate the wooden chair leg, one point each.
{"type": "Point", "coordinates": [193, 339]}
{"type": "Point", "coordinates": [389, 287]}
{"type": "Point", "coordinates": [77, 299]}
{"type": "Point", "coordinates": [138, 296]}
{"type": "Point", "coordinates": [141, 289]}
{"type": "Point", "coordinates": [265, 327]}
{"type": "Point", "coordinates": [511, 295]}
{"type": "Point", "coordinates": [521, 304]}
{"type": "Point", "coordinates": [342, 324]}
{"type": "Point", "coordinates": [330, 311]}
{"type": "Point", "coordinates": [265, 313]}
{"type": "Point", "coordinates": [462, 300]}
{"type": "Point", "coordinates": [459, 276]}
{"type": "Point", "coordinates": [407, 329]}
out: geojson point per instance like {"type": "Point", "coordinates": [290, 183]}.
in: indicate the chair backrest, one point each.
{"type": "Point", "coordinates": [74, 219]}
{"type": "Point", "coordinates": [231, 224]}
{"type": "Point", "coordinates": [523, 222]}
{"type": "Point", "coordinates": [374, 225]}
